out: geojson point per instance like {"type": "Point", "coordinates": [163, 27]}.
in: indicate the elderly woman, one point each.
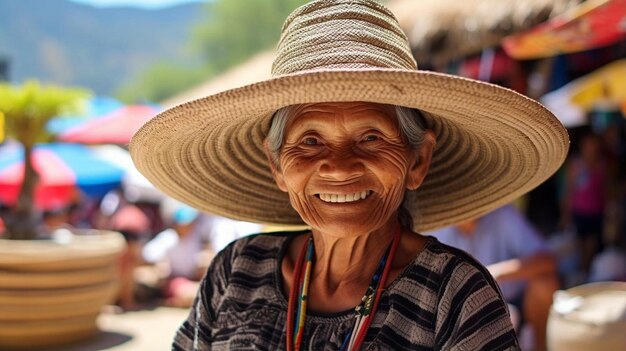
{"type": "Point", "coordinates": [351, 139]}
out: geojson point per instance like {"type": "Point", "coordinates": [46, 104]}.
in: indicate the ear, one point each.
{"type": "Point", "coordinates": [421, 162]}
{"type": "Point", "coordinates": [278, 175]}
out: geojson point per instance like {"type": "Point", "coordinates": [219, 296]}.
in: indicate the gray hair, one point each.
{"type": "Point", "coordinates": [410, 121]}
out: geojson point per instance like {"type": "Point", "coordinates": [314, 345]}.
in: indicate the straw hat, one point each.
{"type": "Point", "coordinates": [493, 144]}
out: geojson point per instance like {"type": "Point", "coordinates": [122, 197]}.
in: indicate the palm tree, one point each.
{"type": "Point", "coordinates": [26, 109]}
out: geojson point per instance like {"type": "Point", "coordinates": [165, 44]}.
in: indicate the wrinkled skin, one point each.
{"type": "Point", "coordinates": [344, 149]}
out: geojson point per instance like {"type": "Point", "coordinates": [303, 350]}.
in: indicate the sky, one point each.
{"type": "Point", "coordinates": [147, 4]}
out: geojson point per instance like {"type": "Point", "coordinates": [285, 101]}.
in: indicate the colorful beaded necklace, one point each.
{"type": "Point", "coordinates": [364, 312]}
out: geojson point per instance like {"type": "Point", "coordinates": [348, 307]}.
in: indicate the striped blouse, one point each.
{"type": "Point", "coordinates": [444, 300]}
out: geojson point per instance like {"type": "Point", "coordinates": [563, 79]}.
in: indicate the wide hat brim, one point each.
{"type": "Point", "coordinates": [493, 144]}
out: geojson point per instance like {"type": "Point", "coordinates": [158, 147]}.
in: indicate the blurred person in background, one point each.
{"type": "Point", "coordinates": [518, 258]}
{"type": "Point", "coordinates": [127, 218]}
{"type": "Point", "coordinates": [218, 231]}
{"type": "Point", "coordinates": [180, 255]}
{"type": "Point", "coordinates": [610, 263]}
{"type": "Point", "coordinates": [221, 231]}
{"type": "Point", "coordinates": [584, 198]}
{"type": "Point", "coordinates": [53, 221]}
{"type": "Point", "coordinates": [82, 210]}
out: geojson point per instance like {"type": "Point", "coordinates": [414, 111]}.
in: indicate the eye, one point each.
{"type": "Point", "coordinates": [309, 141]}
{"type": "Point", "coordinates": [371, 137]}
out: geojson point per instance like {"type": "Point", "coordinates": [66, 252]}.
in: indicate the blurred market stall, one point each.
{"type": "Point", "coordinates": [592, 24]}
{"type": "Point", "coordinates": [601, 89]}
{"type": "Point", "coordinates": [443, 31]}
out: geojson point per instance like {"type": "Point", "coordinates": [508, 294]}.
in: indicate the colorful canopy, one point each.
{"type": "Point", "coordinates": [96, 107]}
{"type": "Point", "coordinates": [62, 169]}
{"type": "Point", "coordinates": [443, 31]}
{"type": "Point", "coordinates": [598, 89]}
{"type": "Point", "coordinates": [592, 24]}
{"type": "Point", "coordinates": [116, 127]}
{"type": "Point", "coordinates": [135, 186]}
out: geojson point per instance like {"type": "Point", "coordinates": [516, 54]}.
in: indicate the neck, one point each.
{"type": "Point", "coordinates": [349, 261]}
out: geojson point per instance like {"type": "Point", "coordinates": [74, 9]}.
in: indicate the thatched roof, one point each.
{"type": "Point", "coordinates": [443, 30]}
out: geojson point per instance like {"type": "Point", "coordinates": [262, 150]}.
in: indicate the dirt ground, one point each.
{"type": "Point", "coordinates": [150, 329]}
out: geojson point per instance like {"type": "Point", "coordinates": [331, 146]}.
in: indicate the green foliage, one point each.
{"type": "Point", "coordinates": [232, 32]}
{"type": "Point", "coordinates": [160, 82]}
{"type": "Point", "coordinates": [235, 30]}
{"type": "Point", "coordinates": [27, 108]}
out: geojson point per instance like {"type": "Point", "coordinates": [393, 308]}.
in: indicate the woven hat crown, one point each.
{"type": "Point", "coordinates": [340, 34]}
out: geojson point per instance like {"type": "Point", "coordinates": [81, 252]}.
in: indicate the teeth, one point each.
{"type": "Point", "coordinates": [344, 197]}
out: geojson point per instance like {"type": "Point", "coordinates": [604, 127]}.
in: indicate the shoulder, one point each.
{"type": "Point", "coordinates": [447, 291]}
{"type": "Point", "coordinates": [262, 243]}
{"type": "Point", "coordinates": [452, 266]}
{"type": "Point", "coordinates": [252, 249]}
{"type": "Point", "coordinates": [470, 309]}
{"type": "Point", "coordinates": [246, 263]}
{"type": "Point", "coordinates": [452, 257]}
{"type": "Point", "coordinates": [439, 270]}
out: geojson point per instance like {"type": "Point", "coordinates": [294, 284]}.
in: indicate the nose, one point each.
{"type": "Point", "coordinates": [342, 165]}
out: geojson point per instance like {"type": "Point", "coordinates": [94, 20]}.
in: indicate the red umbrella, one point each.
{"type": "Point", "coordinates": [62, 169]}
{"type": "Point", "coordinates": [590, 25]}
{"type": "Point", "coordinates": [116, 127]}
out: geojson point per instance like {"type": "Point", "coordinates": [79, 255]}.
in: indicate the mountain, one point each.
{"type": "Point", "coordinates": [61, 42]}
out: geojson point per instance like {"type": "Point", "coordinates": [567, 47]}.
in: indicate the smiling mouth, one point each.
{"type": "Point", "coordinates": [344, 197]}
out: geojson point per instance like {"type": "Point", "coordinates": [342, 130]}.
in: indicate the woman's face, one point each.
{"type": "Point", "coordinates": [346, 167]}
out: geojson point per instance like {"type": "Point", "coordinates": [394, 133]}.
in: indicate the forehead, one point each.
{"type": "Point", "coordinates": [354, 114]}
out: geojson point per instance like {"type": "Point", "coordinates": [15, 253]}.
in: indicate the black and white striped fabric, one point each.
{"type": "Point", "coordinates": [444, 300]}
